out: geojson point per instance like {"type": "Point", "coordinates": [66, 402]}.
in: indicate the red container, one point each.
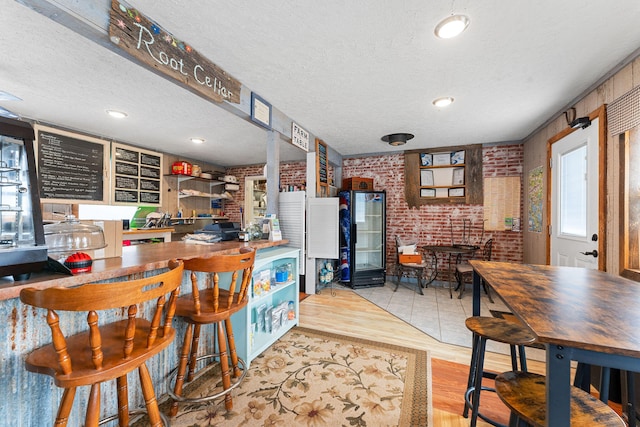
{"type": "Point", "coordinates": [176, 168]}
{"type": "Point", "coordinates": [181, 168]}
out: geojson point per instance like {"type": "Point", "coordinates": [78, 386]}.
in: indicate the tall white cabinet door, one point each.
{"type": "Point", "coordinates": [291, 211]}
{"type": "Point", "coordinates": [323, 225]}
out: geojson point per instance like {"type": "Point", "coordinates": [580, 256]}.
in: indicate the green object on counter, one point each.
{"type": "Point", "coordinates": [140, 216]}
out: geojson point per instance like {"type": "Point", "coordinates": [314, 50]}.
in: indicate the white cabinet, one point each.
{"type": "Point", "coordinates": [272, 310]}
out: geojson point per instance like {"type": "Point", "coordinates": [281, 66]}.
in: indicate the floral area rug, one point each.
{"type": "Point", "coordinates": [313, 378]}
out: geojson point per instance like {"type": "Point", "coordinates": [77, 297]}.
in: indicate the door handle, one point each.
{"type": "Point", "coordinates": [593, 252]}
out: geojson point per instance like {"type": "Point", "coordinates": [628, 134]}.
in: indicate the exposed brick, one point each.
{"type": "Point", "coordinates": [430, 224]}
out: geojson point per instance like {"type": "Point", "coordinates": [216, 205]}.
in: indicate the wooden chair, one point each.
{"type": "Point", "coordinates": [213, 305]}
{"type": "Point", "coordinates": [524, 393]}
{"type": "Point", "coordinates": [464, 268]}
{"type": "Point", "coordinates": [106, 351]}
{"type": "Point", "coordinates": [419, 270]}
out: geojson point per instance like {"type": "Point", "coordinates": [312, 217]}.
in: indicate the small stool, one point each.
{"type": "Point", "coordinates": [524, 393]}
{"type": "Point", "coordinates": [500, 330]}
{"type": "Point", "coordinates": [226, 292]}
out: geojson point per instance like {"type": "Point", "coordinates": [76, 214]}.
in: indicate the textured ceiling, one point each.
{"type": "Point", "coordinates": [349, 72]}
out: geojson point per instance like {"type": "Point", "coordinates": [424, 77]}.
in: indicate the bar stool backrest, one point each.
{"type": "Point", "coordinates": [240, 267]}
{"type": "Point", "coordinates": [93, 298]}
{"type": "Point", "coordinates": [116, 341]}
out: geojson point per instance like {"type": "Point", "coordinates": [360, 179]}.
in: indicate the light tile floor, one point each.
{"type": "Point", "coordinates": [436, 314]}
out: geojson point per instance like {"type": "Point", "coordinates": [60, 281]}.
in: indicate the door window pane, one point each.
{"type": "Point", "coordinates": [573, 192]}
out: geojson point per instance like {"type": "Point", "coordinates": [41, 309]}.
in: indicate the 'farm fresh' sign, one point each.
{"type": "Point", "coordinates": [157, 48]}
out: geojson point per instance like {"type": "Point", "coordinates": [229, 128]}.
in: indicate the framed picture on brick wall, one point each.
{"type": "Point", "coordinates": [457, 176]}
{"type": "Point", "coordinates": [428, 192]}
{"type": "Point", "coordinates": [426, 178]}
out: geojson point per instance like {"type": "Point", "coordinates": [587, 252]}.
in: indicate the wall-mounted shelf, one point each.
{"type": "Point", "coordinates": [444, 175]}
{"type": "Point", "coordinates": [194, 187]}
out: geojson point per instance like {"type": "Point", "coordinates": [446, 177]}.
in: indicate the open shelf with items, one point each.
{"type": "Point", "coordinates": [273, 307]}
{"type": "Point", "coordinates": [444, 175]}
{"type": "Point", "coordinates": [195, 194]}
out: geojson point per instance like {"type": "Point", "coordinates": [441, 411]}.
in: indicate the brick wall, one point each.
{"type": "Point", "coordinates": [294, 173]}
{"type": "Point", "coordinates": [432, 224]}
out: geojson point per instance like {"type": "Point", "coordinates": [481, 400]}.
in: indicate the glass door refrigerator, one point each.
{"type": "Point", "coordinates": [362, 238]}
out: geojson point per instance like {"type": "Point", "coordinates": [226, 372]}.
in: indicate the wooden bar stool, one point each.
{"type": "Point", "coordinates": [107, 351]}
{"type": "Point", "coordinates": [500, 330]}
{"type": "Point", "coordinates": [213, 304]}
{"type": "Point", "coordinates": [525, 395]}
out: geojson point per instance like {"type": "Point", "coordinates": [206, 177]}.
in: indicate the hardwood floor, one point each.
{"type": "Point", "coordinates": [349, 314]}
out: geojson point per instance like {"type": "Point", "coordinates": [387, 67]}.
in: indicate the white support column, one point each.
{"type": "Point", "coordinates": [273, 171]}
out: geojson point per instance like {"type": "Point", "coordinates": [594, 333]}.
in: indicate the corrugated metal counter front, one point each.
{"type": "Point", "coordinates": [32, 399]}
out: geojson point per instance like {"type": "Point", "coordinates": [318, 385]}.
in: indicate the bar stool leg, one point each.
{"type": "Point", "coordinates": [123, 400]}
{"type": "Point", "coordinates": [523, 358]}
{"type": "Point", "coordinates": [62, 418]}
{"type": "Point", "coordinates": [182, 367]}
{"type": "Point", "coordinates": [472, 371]}
{"type": "Point", "coordinates": [149, 395]}
{"type": "Point", "coordinates": [224, 366]}
{"type": "Point", "coordinates": [194, 352]}
{"type": "Point", "coordinates": [477, 383]}
{"type": "Point", "coordinates": [631, 399]}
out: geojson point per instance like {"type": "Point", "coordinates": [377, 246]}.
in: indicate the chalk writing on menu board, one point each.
{"type": "Point", "coordinates": [70, 168]}
{"type": "Point", "coordinates": [137, 175]}
{"type": "Point", "coordinates": [126, 182]}
{"type": "Point", "coordinates": [126, 196]}
{"type": "Point", "coordinates": [322, 158]}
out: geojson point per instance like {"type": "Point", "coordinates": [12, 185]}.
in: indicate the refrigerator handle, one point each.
{"type": "Point", "coordinates": [354, 233]}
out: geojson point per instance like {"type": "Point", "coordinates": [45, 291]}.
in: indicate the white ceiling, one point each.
{"type": "Point", "coordinates": [348, 71]}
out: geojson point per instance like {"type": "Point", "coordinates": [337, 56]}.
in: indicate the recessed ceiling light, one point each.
{"type": "Point", "coordinates": [116, 114]}
{"type": "Point", "coordinates": [443, 102]}
{"type": "Point", "coordinates": [197, 140]}
{"type": "Point", "coordinates": [451, 26]}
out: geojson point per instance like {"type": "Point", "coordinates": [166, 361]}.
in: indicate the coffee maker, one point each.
{"type": "Point", "coordinates": [22, 245]}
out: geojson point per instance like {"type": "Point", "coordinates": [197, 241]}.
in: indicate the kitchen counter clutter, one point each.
{"type": "Point", "coordinates": [135, 259]}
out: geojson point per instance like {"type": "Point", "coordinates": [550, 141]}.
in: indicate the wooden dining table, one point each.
{"type": "Point", "coordinates": [578, 314]}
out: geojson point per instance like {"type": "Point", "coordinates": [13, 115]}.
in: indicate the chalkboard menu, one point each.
{"type": "Point", "coordinates": [71, 167]}
{"type": "Point", "coordinates": [322, 181]}
{"type": "Point", "coordinates": [137, 175]}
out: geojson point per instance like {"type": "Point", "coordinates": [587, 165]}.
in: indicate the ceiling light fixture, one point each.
{"type": "Point", "coordinates": [197, 140]}
{"type": "Point", "coordinates": [445, 101]}
{"type": "Point", "coordinates": [451, 26]}
{"type": "Point", "coordinates": [397, 139]}
{"type": "Point", "coordinates": [117, 114]}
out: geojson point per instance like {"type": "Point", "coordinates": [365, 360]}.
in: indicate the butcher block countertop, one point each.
{"type": "Point", "coordinates": [135, 259]}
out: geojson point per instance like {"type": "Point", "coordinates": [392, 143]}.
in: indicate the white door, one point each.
{"type": "Point", "coordinates": [574, 199]}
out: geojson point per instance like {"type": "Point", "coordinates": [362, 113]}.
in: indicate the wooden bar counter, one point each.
{"type": "Point", "coordinates": [31, 399]}
{"type": "Point", "coordinates": [135, 259]}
